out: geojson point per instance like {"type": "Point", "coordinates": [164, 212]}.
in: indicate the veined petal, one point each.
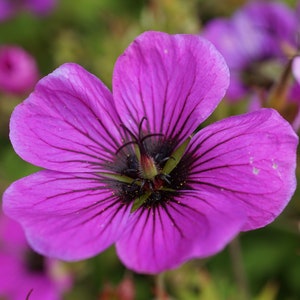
{"type": "Point", "coordinates": [250, 159]}
{"type": "Point", "coordinates": [68, 122]}
{"type": "Point", "coordinates": [194, 224]}
{"type": "Point", "coordinates": [67, 216]}
{"type": "Point", "coordinates": [174, 81]}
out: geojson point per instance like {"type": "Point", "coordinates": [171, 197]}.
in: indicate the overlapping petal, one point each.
{"type": "Point", "coordinates": [249, 159]}
{"type": "Point", "coordinates": [58, 207]}
{"type": "Point", "coordinates": [68, 123]}
{"type": "Point", "coordinates": [174, 81]}
{"type": "Point", "coordinates": [191, 225]}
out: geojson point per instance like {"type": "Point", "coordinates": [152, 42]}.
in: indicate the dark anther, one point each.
{"type": "Point", "coordinates": [165, 177]}
{"type": "Point", "coordinates": [138, 140]}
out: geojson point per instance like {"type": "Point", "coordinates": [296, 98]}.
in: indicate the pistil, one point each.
{"type": "Point", "coordinates": [148, 167]}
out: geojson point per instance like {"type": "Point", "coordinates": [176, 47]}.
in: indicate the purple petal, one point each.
{"type": "Point", "coordinates": [10, 273]}
{"type": "Point", "coordinates": [195, 224]}
{"type": "Point", "coordinates": [274, 19]}
{"type": "Point", "coordinates": [40, 6]}
{"type": "Point", "coordinates": [18, 70]}
{"type": "Point", "coordinates": [175, 81]}
{"type": "Point", "coordinates": [296, 68]}
{"type": "Point", "coordinates": [12, 235]}
{"type": "Point", "coordinates": [68, 122]}
{"type": "Point", "coordinates": [7, 10]}
{"type": "Point", "coordinates": [42, 288]}
{"type": "Point", "coordinates": [68, 216]}
{"type": "Point", "coordinates": [251, 160]}
{"type": "Point", "coordinates": [16, 282]}
{"type": "Point", "coordinates": [237, 89]}
{"type": "Point", "coordinates": [223, 34]}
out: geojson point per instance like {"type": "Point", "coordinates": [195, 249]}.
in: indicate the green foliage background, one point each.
{"type": "Point", "coordinates": [94, 33]}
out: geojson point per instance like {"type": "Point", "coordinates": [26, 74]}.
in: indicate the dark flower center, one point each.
{"type": "Point", "coordinates": [35, 262]}
{"type": "Point", "coordinates": [155, 170]}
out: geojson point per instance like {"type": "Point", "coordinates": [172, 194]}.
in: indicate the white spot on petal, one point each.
{"type": "Point", "coordinates": [251, 159]}
{"type": "Point", "coordinates": [166, 51]}
{"type": "Point", "coordinates": [255, 171]}
{"type": "Point", "coordinates": [274, 165]}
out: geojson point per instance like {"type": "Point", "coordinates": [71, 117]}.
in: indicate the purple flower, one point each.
{"type": "Point", "coordinates": [23, 271]}
{"type": "Point", "coordinates": [256, 35]}
{"type": "Point", "coordinates": [296, 68]}
{"type": "Point", "coordinates": [8, 8]}
{"type": "Point", "coordinates": [128, 168]}
{"type": "Point", "coordinates": [18, 70]}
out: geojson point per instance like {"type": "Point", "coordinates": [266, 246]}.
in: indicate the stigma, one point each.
{"type": "Point", "coordinates": [148, 167]}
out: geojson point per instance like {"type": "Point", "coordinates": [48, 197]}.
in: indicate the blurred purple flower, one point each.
{"type": "Point", "coordinates": [291, 109]}
{"type": "Point", "coordinates": [125, 168]}
{"type": "Point", "coordinates": [23, 271]}
{"type": "Point", "coordinates": [296, 68]}
{"type": "Point", "coordinates": [18, 70]}
{"type": "Point", "coordinates": [258, 33]}
{"type": "Point", "coordinates": [284, 95]}
{"type": "Point", "coordinates": [294, 101]}
{"type": "Point", "coordinates": [8, 8]}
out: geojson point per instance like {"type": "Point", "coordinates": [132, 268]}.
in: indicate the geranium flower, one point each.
{"type": "Point", "coordinates": [25, 273]}
{"type": "Point", "coordinates": [8, 8]}
{"type": "Point", "coordinates": [18, 70]}
{"type": "Point", "coordinates": [254, 42]}
{"type": "Point", "coordinates": [128, 168]}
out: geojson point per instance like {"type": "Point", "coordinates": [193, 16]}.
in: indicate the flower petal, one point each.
{"type": "Point", "coordinates": [42, 287]}
{"type": "Point", "coordinates": [250, 159]}
{"type": "Point", "coordinates": [67, 216]}
{"type": "Point", "coordinates": [68, 122]}
{"type": "Point", "coordinates": [191, 225]}
{"type": "Point", "coordinates": [296, 68]}
{"type": "Point", "coordinates": [12, 236]}
{"type": "Point", "coordinates": [226, 37]}
{"type": "Point", "coordinates": [7, 10]}
{"type": "Point", "coordinates": [275, 19]}
{"type": "Point", "coordinates": [174, 81]}
{"type": "Point", "coordinates": [10, 271]}
{"type": "Point", "coordinates": [18, 70]}
{"type": "Point", "coordinates": [40, 6]}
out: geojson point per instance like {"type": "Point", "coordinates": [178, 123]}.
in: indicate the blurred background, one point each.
{"type": "Point", "coordinates": [262, 264]}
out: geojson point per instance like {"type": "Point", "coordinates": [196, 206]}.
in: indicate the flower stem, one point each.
{"type": "Point", "coordinates": [238, 269]}
{"type": "Point", "coordinates": [160, 287]}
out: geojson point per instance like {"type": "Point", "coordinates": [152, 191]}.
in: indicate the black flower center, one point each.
{"type": "Point", "coordinates": [155, 170]}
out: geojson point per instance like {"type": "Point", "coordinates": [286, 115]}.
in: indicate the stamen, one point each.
{"type": "Point", "coordinates": [125, 145]}
{"type": "Point", "coordinates": [129, 131]}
